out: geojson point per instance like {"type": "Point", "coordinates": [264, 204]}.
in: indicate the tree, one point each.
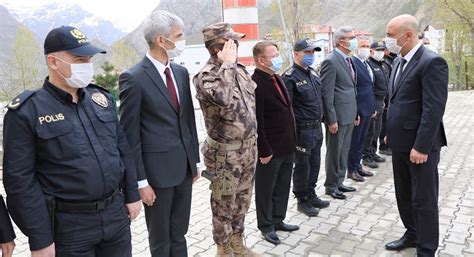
{"type": "Point", "coordinates": [23, 70]}
{"type": "Point", "coordinates": [123, 56]}
{"type": "Point", "coordinates": [109, 79]}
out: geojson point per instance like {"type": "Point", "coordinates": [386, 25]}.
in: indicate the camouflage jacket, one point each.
{"type": "Point", "coordinates": [226, 94]}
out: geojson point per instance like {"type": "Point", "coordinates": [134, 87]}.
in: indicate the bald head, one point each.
{"type": "Point", "coordinates": [405, 29]}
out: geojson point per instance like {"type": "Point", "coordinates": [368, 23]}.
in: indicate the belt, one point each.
{"type": "Point", "coordinates": [85, 207]}
{"type": "Point", "coordinates": [233, 146]}
{"type": "Point", "coordinates": [308, 125]}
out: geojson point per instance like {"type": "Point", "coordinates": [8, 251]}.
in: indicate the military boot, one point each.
{"type": "Point", "coordinates": [239, 248]}
{"type": "Point", "coordinates": [224, 251]}
{"type": "Point", "coordinates": [305, 207]}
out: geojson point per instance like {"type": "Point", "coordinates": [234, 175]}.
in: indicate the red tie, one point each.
{"type": "Point", "coordinates": [348, 60]}
{"type": "Point", "coordinates": [275, 83]}
{"type": "Point", "coordinates": [171, 89]}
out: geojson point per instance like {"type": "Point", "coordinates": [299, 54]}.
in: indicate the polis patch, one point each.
{"type": "Point", "coordinates": [100, 99]}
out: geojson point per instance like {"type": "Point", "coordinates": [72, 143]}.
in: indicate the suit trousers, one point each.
{"type": "Point", "coordinates": [168, 219]}
{"type": "Point", "coordinates": [416, 189]}
{"type": "Point", "coordinates": [359, 134]}
{"type": "Point", "coordinates": [373, 134]}
{"type": "Point", "coordinates": [307, 162]}
{"type": "Point", "coordinates": [99, 234]}
{"type": "Point", "coordinates": [336, 156]}
{"type": "Point", "coordinates": [272, 189]}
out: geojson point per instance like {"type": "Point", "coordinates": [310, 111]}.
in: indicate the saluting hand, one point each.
{"type": "Point", "coordinates": [148, 195]}
{"type": "Point", "coordinates": [45, 252]}
{"type": "Point", "coordinates": [7, 249]}
{"type": "Point", "coordinates": [133, 209]}
{"type": "Point", "coordinates": [228, 53]}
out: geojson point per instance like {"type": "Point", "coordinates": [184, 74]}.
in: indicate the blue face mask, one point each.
{"type": "Point", "coordinates": [308, 60]}
{"type": "Point", "coordinates": [277, 63]}
{"type": "Point", "coordinates": [353, 44]}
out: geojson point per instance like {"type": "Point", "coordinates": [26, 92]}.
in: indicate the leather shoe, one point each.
{"type": "Point", "coordinates": [305, 207]}
{"type": "Point", "coordinates": [343, 188]}
{"type": "Point", "coordinates": [377, 158]}
{"type": "Point", "coordinates": [282, 226]}
{"type": "Point", "coordinates": [271, 237]}
{"type": "Point", "coordinates": [400, 244]}
{"type": "Point", "coordinates": [336, 195]}
{"type": "Point", "coordinates": [387, 151]}
{"type": "Point", "coordinates": [354, 175]}
{"type": "Point", "coordinates": [364, 173]}
{"type": "Point", "coordinates": [370, 163]}
{"type": "Point", "coordinates": [317, 202]}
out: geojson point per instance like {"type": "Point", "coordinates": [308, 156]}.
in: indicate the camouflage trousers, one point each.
{"type": "Point", "coordinates": [228, 213]}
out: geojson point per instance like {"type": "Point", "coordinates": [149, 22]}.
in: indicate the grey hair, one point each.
{"type": "Point", "coordinates": [160, 23]}
{"type": "Point", "coordinates": [363, 37]}
{"type": "Point", "coordinates": [340, 33]}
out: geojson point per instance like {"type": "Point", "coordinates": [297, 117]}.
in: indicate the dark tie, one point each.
{"type": "Point", "coordinates": [349, 63]}
{"type": "Point", "coordinates": [275, 83]}
{"type": "Point", "coordinates": [171, 89]}
{"type": "Point", "coordinates": [399, 73]}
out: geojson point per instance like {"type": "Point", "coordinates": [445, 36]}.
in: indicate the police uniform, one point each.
{"type": "Point", "coordinates": [6, 229]}
{"type": "Point", "coordinates": [68, 169]}
{"type": "Point", "coordinates": [226, 94]}
{"type": "Point", "coordinates": [304, 88]}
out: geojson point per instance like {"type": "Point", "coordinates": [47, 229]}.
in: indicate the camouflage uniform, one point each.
{"type": "Point", "coordinates": [227, 98]}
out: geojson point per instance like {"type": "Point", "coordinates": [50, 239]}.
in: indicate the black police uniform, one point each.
{"type": "Point", "coordinates": [6, 229]}
{"type": "Point", "coordinates": [68, 171]}
{"type": "Point", "coordinates": [381, 78]}
{"type": "Point", "coordinates": [304, 89]}
{"type": "Point", "coordinates": [387, 63]}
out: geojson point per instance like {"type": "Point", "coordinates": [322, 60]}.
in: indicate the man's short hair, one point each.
{"type": "Point", "coordinates": [159, 23]}
{"type": "Point", "coordinates": [260, 47]}
{"type": "Point", "coordinates": [340, 33]}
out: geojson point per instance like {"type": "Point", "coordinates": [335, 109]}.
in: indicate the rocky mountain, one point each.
{"type": "Point", "coordinates": [42, 19]}
{"type": "Point", "coordinates": [8, 27]}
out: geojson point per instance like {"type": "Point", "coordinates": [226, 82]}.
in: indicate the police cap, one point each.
{"type": "Point", "coordinates": [378, 45]}
{"type": "Point", "coordinates": [67, 38]}
{"type": "Point", "coordinates": [306, 44]}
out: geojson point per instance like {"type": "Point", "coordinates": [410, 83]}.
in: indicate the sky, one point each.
{"type": "Point", "coordinates": [126, 15]}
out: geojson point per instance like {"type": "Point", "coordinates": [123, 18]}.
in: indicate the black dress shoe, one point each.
{"type": "Point", "coordinates": [365, 173]}
{"type": "Point", "coordinates": [343, 188]}
{"type": "Point", "coordinates": [370, 163]}
{"type": "Point", "coordinates": [354, 175]}
{"type": "Point", "coordinates": [387, 151]}
{"type": "Point", "coordinates": [306, 208]}
{"type": "Point", "coordinates": [336, 195]}
{"type": "Point", "coordinates": [377, 158]}
{"type": "Point", "coordinates": [282, 226]}
{"type": "Point", "coordinates": [400, 244]}
{"type": "Point", "coordinates": [317, 202]}
{"type": "Point", "coordinates": [271, 237]}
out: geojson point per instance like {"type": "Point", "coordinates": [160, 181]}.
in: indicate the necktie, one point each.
{"type": "Point", "coordinates": [349, 63]}
{"type": "Point", "coordinates": [275, 83]}
{"type": "Point", "coordinates": [399, 73]}
{"type": "Point", "coordinates": [171, 89]}
{"type": "Point", "coordinates": [369, 70]}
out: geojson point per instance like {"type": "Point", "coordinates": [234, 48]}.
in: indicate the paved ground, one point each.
{"type": "Point", "coordinates": [362, 224]}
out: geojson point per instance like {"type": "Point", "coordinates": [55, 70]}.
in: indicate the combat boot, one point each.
{"type": "Point", "coordinates": [224, 251]}
{"type": "Point", "coordinates": [305, 207]}
{"type": "Point", "coordinates": [239, 248]}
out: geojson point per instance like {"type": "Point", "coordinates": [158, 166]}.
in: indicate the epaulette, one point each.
{"type": "Point", "coordinates": [98, 87]}
{"type": "Point", "coordinates": [20, 99]}
{"type": "Point", "coordinates": [289, 72]}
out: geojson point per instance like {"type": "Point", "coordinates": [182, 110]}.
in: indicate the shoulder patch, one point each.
{"type": "Point", "coordinates": [20, 99]}
{"type": "Point", "coordinates": [289, 72]}
{"type": "Point", "coordinates": [98, 87]}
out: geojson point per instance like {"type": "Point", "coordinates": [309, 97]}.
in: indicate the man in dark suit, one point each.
{"type": "Point", "coordinates": [365, 109]}
{"type": "Point", "coordinates": [415, 133]}
{"type": "Point", "coordinates": [338, 80]}
{"type": "Point", "coordinates": [158, 117]}
{"type": "Point", "coordinates": [6, 231]}
{"type": "Point", "coordinates": [275, 142]}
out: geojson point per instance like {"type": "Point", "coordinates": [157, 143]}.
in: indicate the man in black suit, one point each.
{"type": "Point", "coordinates": [6, 231]}
{"type": "Point", "coordinates": [415, 133]}
{"type": "Point", "coordinates": [275, 142]}
{"type": "Point", "coordinates": [158, 117]}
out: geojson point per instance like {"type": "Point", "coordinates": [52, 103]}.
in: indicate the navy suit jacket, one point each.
{"type": "Point", "coordinates": [365, 89]}
{"type": "Point", "coordinates": [417, 104]}
{"type": "Point", "coordinates": [164, 141]}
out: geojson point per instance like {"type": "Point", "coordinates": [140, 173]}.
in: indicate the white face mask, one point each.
{"type": "Point", "coordinates": [392, 45]}
{"type": "Point", "coordinates": [81, 74]}
{"type": "Point", "coordinates": [363, 53]}
{"type": "Point", "coordinates": [378, 55]}
{"type": "Point", "coordinates": [177, 50]}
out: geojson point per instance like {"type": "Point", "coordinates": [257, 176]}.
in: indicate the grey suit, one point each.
{"type": "Point", "coordinates": [165, 145]}
{"type": "Point", "coordinates": [339, 102]}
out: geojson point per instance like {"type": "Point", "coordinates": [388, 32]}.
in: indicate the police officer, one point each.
{"type": "Point", "coordinates": [68, 170]}
{"type": "Point", "coordinates": [6, 231]}
{"type": "Point", "coordinates": [304, 89]}
{"type": "Point", "coordinates": [381, 78]}
{"type": "Point", "coordinates": [226, 94]}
